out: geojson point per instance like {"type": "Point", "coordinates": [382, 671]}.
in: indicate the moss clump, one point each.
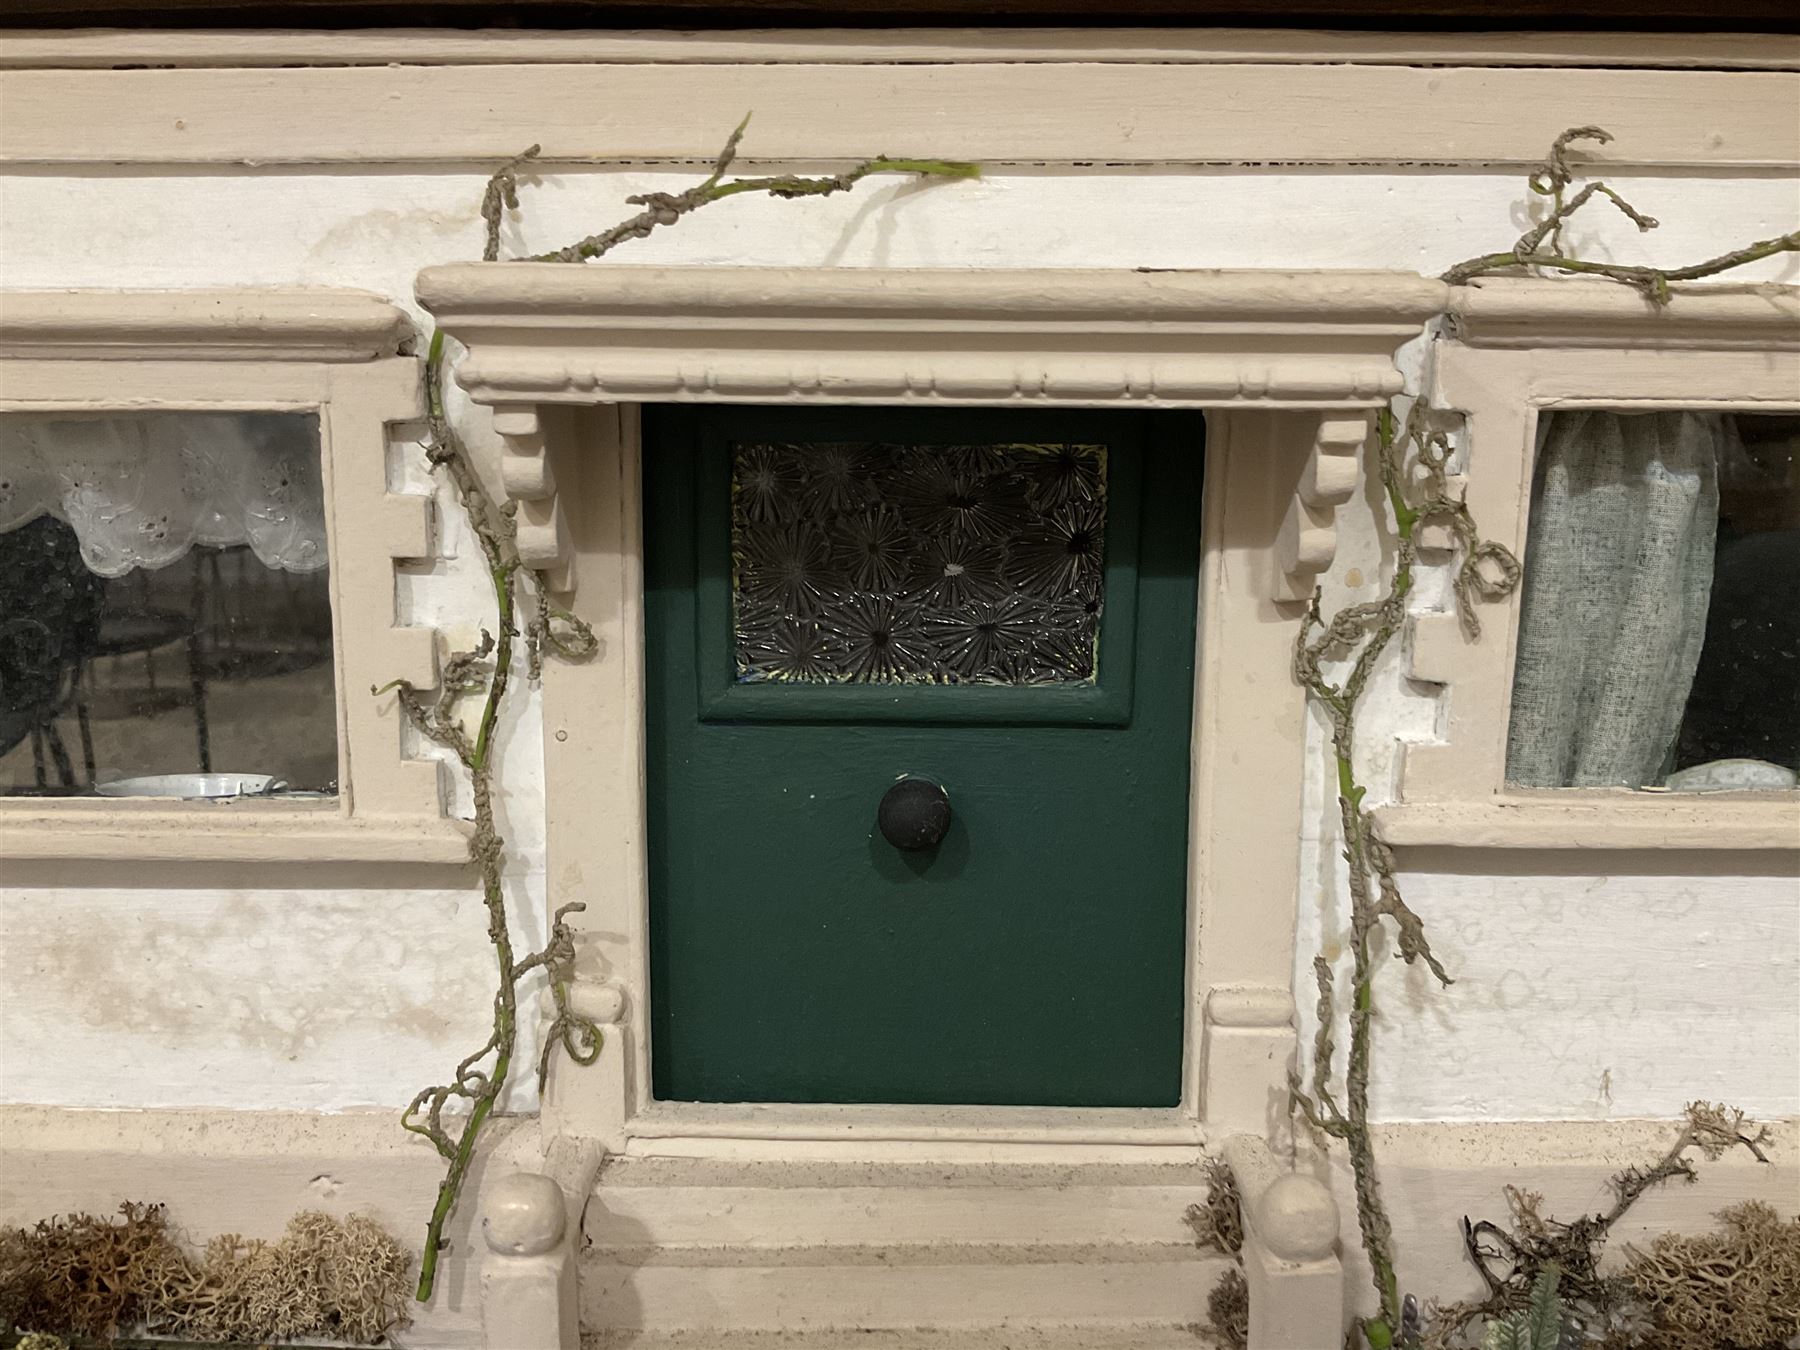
{"type": "Point", "coordinates": [337, 1279]}
{"type": "Point", "coordinates": [1228, 1310]}
{"type": "Point", "coordinates": [85, 1276]}
{"type": "Point", "coordinates": [1218, 1223]}
{"type": "Point", "coordinates": [1736, 1288]}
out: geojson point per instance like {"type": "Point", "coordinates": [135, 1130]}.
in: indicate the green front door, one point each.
{"type": "Point", "coordinates": [1000, 604]}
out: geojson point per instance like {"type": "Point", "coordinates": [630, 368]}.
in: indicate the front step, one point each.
{"type": "Point", "coordinates": [988, 1338]}
{"type": "Point", "coordinates": [696, 1248]}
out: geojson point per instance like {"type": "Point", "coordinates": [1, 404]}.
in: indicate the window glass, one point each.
{"type": "Point", "coordinates": [1659, 642]}
{"type": "Point", "coordinates": [921, 564]}
{"type": "Point", "coordinates": [165, 618]}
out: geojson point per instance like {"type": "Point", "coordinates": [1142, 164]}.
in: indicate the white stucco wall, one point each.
{"type": "Point", "coordinates": [1580, 994]}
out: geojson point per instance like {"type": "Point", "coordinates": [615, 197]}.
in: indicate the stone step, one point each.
{"type": "Point", "coordinates": [1142, 1336]}
{"type": "Point", "coordinates": [680, 1203]}
{"type": "Point", "coordinates": [701, 1247]}
{"type": "Point", "coordinates": [951, 1288]}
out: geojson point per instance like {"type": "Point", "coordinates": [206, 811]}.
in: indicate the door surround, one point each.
{"type": "Point", "coordinates": [1291, 368]}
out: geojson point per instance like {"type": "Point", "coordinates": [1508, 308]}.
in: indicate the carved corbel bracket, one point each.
{"type": "Point", "coordinates": [1307, 543]}
{"type": "Point", "coordinates": [525, 472]}
{"type": "Point", "coordinates": [1320, 344]}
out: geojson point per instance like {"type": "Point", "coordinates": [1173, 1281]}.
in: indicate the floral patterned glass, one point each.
{"type": "Point", "coordinates": [856, 561]}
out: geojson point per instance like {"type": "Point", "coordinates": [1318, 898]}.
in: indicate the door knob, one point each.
{"type": "Point", "coordinates": [914, 814]}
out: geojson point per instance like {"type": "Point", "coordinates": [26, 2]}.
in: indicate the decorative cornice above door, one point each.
{"type": "Point", "coordinates": [1322, 342]}
{"type": "Point", "coordinates": [555, 333]}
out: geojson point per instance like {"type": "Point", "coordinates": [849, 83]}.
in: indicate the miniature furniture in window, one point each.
{"type": "Point", "coordinates": [199, 484]}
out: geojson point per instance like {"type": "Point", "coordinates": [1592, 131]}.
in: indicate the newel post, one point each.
{"type": "Point", "coordinates": [531, 1220]}
{"type": "Point", "coordinates": [1290, 1252]}
{"type": "Point", "coordinates": [528, 1274]}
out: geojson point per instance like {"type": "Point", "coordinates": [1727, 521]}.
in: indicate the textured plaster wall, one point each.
{"type": "Point", "coordinates": [1580, 994]}
{"type": "Point", "coordinates": [1587, 987]}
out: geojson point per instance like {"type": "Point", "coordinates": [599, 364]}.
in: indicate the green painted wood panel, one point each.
{"type": "Point", "coordinates": [1037, 956]}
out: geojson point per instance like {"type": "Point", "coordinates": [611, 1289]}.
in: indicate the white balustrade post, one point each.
{"type": "Point", "coordinates": [1290, 1252]}
{"type": "Point", "coordinates": [528, 1274]}
{"type": "Point", "coordinates": [529, 1279]}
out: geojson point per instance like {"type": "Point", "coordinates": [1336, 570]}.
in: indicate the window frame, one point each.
{"type": "Point", "coordinates": [1511, 351]}
{"type": "Point", "coordinates": [332, 354]}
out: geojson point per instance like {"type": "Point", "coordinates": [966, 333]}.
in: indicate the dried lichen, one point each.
{"type": "Point", "coordinates": [345, 1280]}
{"type": "Point", "coordinates": [1228, 1310]}
{"type": "Point", "coordinates": [1218, 1224]}
{"type": "Point", "coordinates": [1218, 1221]}
{"type": "Point", "coordinates": [1612, 1307]}
{"type": "Point", "coordinates": [339, 1279]}
{"type": "Point", "coordinates": [1737, 1288]}
{"type": "Point", "coordinates": [83, 1275]}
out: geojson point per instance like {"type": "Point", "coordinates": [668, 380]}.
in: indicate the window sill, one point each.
{"type": "Point", "coordinates": [233, 831]}
{"type": "Point", "coordinates": [1585, 819]}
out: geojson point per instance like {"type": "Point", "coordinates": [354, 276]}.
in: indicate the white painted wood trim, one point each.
{"type": "Point", "coordinates": [324, 352]}
{"type": "Point", "coordinates": [1538, 312]}
{"type": "Point", "coordinates": [1244, 871]}
{"type": "Point", "coordinates": [100, 48]}
{"type": "Point", "coordinates": [1598, 818]}
{"type": "Point", "coordinates": [244, 324]}
{"type": "Point", "coordinates": [1065, 114]}
{"type": "Point", "coordinates": [1518, 348]}
{"type": "Point", "coordinates": [907, 1124]}
{"type": "Point", "coordinates": [223, 832]}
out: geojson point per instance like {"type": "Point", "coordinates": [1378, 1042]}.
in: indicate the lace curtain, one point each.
{"type": "Point", "coordinates": [141, 491]}
{"type": "Point", "coordinates": [1618, 577]}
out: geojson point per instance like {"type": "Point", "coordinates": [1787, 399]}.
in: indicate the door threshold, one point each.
{"type": "Point", "coordinates": [977, 1133]}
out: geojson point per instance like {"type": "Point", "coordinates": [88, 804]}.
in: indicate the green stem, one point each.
{"type": "Point", "coordinates": [823, 187]}
{"type": "Point", "coordinates": [451, 1186]}
{"type": "Point", "coordinates": [1659, 276]}
{"type": "Point", "coordinates": [434, 374]}
{"type": "Point", "coordinates": [501, 574]}
{"type": "Point", "coordinates": [502, 578]}
{"type": "Point", "coordinates": [1371, 1212]}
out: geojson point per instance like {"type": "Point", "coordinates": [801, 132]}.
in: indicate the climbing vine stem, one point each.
{"type": "Point", "coordinates": [1413, 463]}
{"type": "Point", "coordinates": [485, 673]}
{"type": "Point", "coordinates": [666, 208]}
{"type": "Point", "coordinates": [1541, 248]}
{"type": "Point", "coordinates": [451, 1115]}
{"type": "Point", "coordinates": [1336, 656]}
